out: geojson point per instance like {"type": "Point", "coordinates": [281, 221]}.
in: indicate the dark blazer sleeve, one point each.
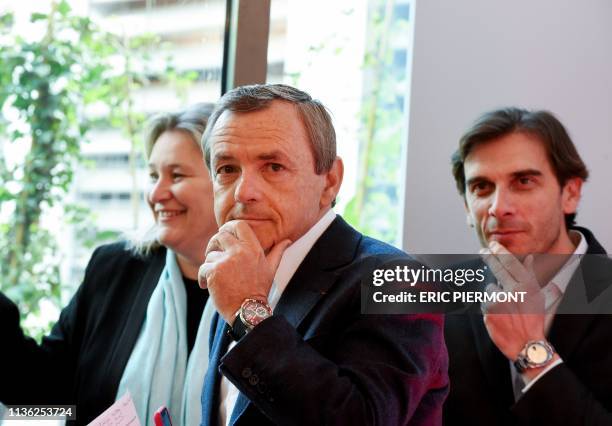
{"type": "Point", "coordinates": [578, 391]}
{"type": "Point", "coordinates": [81, 361]}
{"type": "Point", "coordinates": [378, 371]}
{"type": "Point", "coordinates": [340, 366]}
{"type": "Point", "coordinates": [571, 404]}
{"type": "Point", "coordinates": [40, 374]}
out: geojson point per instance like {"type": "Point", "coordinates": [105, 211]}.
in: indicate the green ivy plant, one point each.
{"type": "Point", "coordinates": [45, 84]}
{"type": "Point", "coordinates": [47, 81]}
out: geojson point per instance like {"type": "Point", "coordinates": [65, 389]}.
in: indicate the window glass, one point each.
{"type": "Point", "coordinates": [181, 64]}
{"type": "Point", "coordinates": [125, 60]}
{"type": "Point", "coordinates": [354, 57]}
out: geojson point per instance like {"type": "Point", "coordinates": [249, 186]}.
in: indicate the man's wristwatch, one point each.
{"type": "Point", "coordinates": [251, 313]}
{"type": "Point", "coordinates": [535, 354]}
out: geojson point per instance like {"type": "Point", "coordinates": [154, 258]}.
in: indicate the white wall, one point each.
{"type": "Point", "coordinates": [475, 55]}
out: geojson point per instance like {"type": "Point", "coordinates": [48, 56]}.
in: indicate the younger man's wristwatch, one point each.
{"type": "Point", "coordinates": [251, 313]}
{"type": "Point", "coordinates": [535, 354]}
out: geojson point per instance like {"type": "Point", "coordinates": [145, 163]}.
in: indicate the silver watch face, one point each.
{"type": "Point", "coordinates": [537, 353]}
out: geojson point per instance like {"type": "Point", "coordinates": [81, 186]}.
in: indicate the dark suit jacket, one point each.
{"type": "Point", "coordinates": [318, 360]}
{"type": "Point", "coordinates": [577, 392]}
{"type": "Point", "coordinates": [81, 362]}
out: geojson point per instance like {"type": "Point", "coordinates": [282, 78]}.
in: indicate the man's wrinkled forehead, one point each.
{"type": "Point", "coordinates": [248, 128]}
{"type": "Point", "coordinates": [266, 119]}
{"type": "Point", "coordinates": [274, 131]}
{"type": "Point", "coordinates": [226, 129]}
{"type": "Point", "coordinates": [269, 108]}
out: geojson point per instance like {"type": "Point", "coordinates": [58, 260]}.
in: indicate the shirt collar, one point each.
{"type": "Point", "coordinates": [295, 254]}
{"type": "Point", "coordinates": [562, 278]}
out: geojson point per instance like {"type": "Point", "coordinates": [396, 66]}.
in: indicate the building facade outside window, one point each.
{"type": "Point", "coordinates": [352, 55]}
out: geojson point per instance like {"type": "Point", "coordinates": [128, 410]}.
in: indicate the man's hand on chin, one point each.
{"type": "Point", "coordinates": [236, 267]}
{"type": "Point", "coordinates": [511, 325]}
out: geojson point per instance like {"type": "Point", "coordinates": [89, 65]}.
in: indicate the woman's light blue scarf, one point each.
{"type": "Point", "coordinates": [159, 371]}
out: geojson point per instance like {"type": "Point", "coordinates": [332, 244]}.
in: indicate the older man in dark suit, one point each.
{"type": "Point", "coordinates": [521, 177]}
{"type": "Point", "coordinates": [291, 345]}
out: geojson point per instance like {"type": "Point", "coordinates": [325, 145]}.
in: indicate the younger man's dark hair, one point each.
{"type": "Point", "coordinates": [562, 153]}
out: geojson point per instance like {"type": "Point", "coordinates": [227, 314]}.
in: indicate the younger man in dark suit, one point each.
{"type": "Point", "coordinates": [284, 273]}
{"type": "Point", "coordinates": [520, 177]}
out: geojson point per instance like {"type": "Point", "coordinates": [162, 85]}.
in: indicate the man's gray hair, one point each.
{"type": "Point", "coordinates": [314, 115]}
{"type": "Point", "coordinates": [191, 121]}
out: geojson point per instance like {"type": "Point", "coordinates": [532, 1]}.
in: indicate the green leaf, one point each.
{"type": "Point", "coordinates": [48, 82]}
{"type": "Point", "coordinates": [63, 8]}
{"type": "Point", "coordinates": [38, 17]}
{"type": "Point", "coordinates": [7, 20]}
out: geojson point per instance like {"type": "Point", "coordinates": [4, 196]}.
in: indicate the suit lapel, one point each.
{"type": "Point", "coordinates": [305, 289]}
{"type": "Point", "coordinates": [318, 271]}
{"type": "Point", "coordinates": [495, 365]}
{"type": "Point", "coordinates": [590, 281]}
{"type": "Point", "coordinates": [311, 281]}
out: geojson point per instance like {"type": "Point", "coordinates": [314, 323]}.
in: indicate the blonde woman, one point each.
{"type": "Point", "coordinates": [139, 322]}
